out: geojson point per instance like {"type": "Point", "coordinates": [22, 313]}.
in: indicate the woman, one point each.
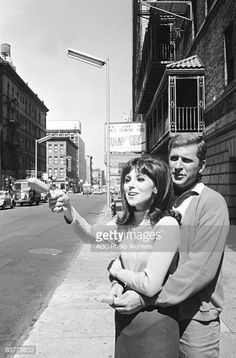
{"type": "Point", "coordinates": [147, 195]}
{"type": "Point", "coordinates": [150, 242]}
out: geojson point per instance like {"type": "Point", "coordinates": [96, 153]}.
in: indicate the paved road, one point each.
{"type": "Point", "coordinates": [36, 248]}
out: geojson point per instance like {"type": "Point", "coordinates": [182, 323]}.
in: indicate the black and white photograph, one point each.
{"type": "Point", "coordinates": [118, 179]}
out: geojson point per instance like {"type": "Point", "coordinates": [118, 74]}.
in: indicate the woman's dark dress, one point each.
{"type": "Point", "coordinates": [147, 334]}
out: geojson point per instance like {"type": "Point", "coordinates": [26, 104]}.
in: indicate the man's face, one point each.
{"type": "Point", "coordinates": [185, 166]}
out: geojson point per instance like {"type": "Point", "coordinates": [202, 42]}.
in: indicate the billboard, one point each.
{"type": "Point", "coordinates": [127, 137]}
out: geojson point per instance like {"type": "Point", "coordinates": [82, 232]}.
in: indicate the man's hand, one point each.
{"type": "Point", "coordinates": [128, 303]}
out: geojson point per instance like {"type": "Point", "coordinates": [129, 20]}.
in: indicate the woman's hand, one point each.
{"type": "Point", "coordinates": [115, 267]}
{"type": "Point", "coordinates": [59, 202]}
{"type": "Point", "coordinates": [115, 292]}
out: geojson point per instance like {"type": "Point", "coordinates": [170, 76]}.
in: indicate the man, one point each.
{"type": "Point", "coordinates": [196, 285]}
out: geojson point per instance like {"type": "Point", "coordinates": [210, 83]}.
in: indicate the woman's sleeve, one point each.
{"type": "Point", "coordinates": [150, 281]}
{"type": "Point", "coordinates": [98, 233]}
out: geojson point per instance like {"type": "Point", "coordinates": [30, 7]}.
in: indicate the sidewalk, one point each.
{"type": "Point", "coordinates": [228, 316]}
{"type": "Point", "coordinates": [75, 325]}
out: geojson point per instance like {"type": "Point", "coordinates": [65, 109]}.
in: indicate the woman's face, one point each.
{"type": "Point", "coordinates": [138, 190]}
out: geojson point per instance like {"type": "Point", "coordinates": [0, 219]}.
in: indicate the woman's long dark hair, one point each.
{"type": "Point", "coordinates": [157, 170]}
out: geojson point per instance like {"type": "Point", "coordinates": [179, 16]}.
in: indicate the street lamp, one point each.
{"type": "Point", "coordinates": [38, 141]}
{"type": "Point", "coordinates": [95, 61]}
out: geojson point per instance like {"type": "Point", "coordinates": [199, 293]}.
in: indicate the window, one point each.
{"type": "Point", "coordinates": [61, 172]}
{"type": "Point", "coordinates": [49, 148]}
{"type": "Point", "coordinates": [61, 160]}
{"type": "Point", "coordinates": [229, 55]}
{"type": "Point", "coordinates": [55, 171]}
{"type": "Point", "coordinates": [61, 148]}
{"type": "Point", "coordinates": [49, 160]}
{"type": "Point", "coordinates": [55, 160]}
{"type": "Point", "coordinates": [55, 148]}
{"type": "Point", "coordinates": [49, 172]}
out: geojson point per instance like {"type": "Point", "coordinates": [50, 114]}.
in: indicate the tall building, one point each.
{"type": "Point", "coordinates": [89, 169]}
{"type": "Point", "coordinates": [98, 177]}
{"type": "Point", "coordinates": [22, 121]}
{"type": "Point", "coordinates": [61, 162]}
{"type": "Point", "coordinates": [74, 135]}
{"type": "Point", "coordinates": [184, 80]}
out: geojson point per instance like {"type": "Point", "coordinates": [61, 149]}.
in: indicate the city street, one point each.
{"type": "Point", "coordinates": [36, 248]}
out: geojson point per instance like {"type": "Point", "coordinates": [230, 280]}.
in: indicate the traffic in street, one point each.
{"type": "Point", "coordinates": [36, 249]}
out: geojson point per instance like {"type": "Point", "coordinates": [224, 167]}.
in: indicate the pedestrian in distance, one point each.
{"type": "Point", "coordinates": [196, 286]}
{"type": "Point", "coordinates": [147, 196]}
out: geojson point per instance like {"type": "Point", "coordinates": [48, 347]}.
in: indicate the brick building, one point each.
{"type": "Point", "coordinates": [184, 70]}
{"type": "Point", "coordinates": [74, 135]}
{"type": "Point", "coordinates": [22, 121]}
{"type": "Point", "coordinates": [61, 161]}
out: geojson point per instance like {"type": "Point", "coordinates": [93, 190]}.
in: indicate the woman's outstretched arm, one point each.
{"type": "Point", "coordinates": [59, 202]}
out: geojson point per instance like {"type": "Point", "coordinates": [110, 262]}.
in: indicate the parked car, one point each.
{"type": "Point", "coordinates": [6, 199]}
{"type": "Point", "coordinates": [97, 191]}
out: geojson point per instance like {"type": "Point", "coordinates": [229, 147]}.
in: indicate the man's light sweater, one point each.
{"type": "Point", "coordinates": [196, 285]}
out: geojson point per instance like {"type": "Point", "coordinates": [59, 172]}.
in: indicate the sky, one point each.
{"type": "Point", "coordinates": [41, 31]}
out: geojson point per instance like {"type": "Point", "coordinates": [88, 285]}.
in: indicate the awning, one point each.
{"type": "Point", "coordinates": [193, 62]}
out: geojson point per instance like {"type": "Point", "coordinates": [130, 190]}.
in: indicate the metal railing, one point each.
{"type": "Point", "coordinates": [165, 52]}
{"type": "Point", "coordinates": [187, 119]}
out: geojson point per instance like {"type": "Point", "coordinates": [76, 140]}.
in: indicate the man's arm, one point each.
{"type": "Point", "coordinates": [203, 261]}
{"type": "Point", "coordinates": [199, 269]}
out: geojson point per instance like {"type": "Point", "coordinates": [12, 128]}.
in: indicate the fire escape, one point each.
{"type": "Point", "coordinates": [12, 147]}
{"type": "Point", "coordinates": [169, 92]}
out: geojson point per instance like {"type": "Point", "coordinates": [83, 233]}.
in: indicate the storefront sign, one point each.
{"type": "Point", "coordinates": [127, 137]}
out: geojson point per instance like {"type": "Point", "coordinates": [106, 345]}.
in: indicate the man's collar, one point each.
{"type": "Point", "coordinates": [179, 191]}
{"type": "Point", "coordinates": [194, 190]}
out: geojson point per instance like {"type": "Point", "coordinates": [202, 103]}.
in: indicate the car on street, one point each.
{"type": "Point", "coordinates": [24, 194]}
{"type": "Point", "coordinates": [6, 199]}
{"type": "Point", "coordinates": [97, 191]}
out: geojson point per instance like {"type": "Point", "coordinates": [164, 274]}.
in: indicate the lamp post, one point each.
{"type": "Point", "coordinates": [95, 61]}
{"type": "Point", "coordinates": [38, 141]}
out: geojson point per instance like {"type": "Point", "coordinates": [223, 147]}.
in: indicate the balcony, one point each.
{"type": "Point", "coordinates": [186, 120]}
{"type": "Point", "coordinates": [178, 104]}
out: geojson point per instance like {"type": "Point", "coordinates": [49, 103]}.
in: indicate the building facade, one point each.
{"type": "Point", "coordinates": [98, 177]}
{"type": "Point", "coordinates": [22, 121]}
{"type": "Point", "coordinates": [74, 135]}
{"type": "Point", "coordinates": [61, 162]}
{"type": "Point", "coordinates": [89, 170]}
{"type": "Point", "coordinates": [184, 70]}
